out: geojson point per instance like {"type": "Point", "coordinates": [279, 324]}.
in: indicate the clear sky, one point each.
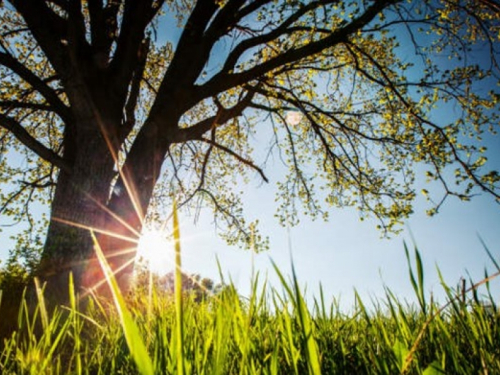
{"type": "Point", "coordinates": [345, 253]}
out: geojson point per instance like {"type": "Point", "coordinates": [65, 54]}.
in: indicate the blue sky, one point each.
{"type": "Point", "coordinates": [344, 253]}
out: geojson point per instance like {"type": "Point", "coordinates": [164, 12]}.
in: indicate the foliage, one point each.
{"type": "Point", "coordinates": [126, 105]}
{"type": "Point", "coordinates": [193, 284]}
{"type": "Point", "coordinates": [14, 279]}
{"type": "Point", "coordinates": [269, 332]}
{"type": "Point", "coordinates": [14, 276]}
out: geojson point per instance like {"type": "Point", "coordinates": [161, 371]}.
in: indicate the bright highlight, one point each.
{"type": "Point", "coordinates": [156, 250]}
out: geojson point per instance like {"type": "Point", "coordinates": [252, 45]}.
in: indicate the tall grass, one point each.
{"type": "Point", "coordinates": [272, 331]}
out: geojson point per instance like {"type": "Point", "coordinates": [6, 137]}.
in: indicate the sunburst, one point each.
{"type": "Point", "coordinates": [157, 250]}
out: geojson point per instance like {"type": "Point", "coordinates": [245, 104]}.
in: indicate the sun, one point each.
{"type": "Point", "coordinates": [156, 250]}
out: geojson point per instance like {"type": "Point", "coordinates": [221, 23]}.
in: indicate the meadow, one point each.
{"type": "Point", "coordinates": [271, 331]}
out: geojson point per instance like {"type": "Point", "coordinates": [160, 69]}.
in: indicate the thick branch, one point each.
{"type": "Point", "coordinates": [223, 115]}
{"type": "Point", "coordinates": [225, 19]}
{"type": "Point", "coordinates": [49, 30]}
{"type": "Point", "coordinates": [76, 23]}
{"type": "Point", "coordinates": [225, 80]}
{"type": "Point", "coordinates": [192, 51]}
{"type": "Point", "coordinates": [38, 84]}
{"type": "Point", "coordinates": [103, 27]}
{"type": "Point", "coordinates": [281, 30]}
{"type": "Point", "coordinates": [137, 15]}
{"type": "Point", "coordinates": [14, 104]}
{"type": "Point", "coordinates": [97, 25]}
{"type": "Point", "coordinates": [135, 86]}
{"type": "Point", "coordinates": [25, 138]}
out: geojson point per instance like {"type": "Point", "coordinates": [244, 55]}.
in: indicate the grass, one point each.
{"type": "Point", "coordinates": [269, 332]}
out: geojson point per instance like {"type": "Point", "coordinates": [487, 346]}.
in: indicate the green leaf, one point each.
{"type": "Point", "coordinates": [178, 293]}
{"type": "Point", "coordinates": [133, 337]}
{"type": "Point", "coordinates": [434, 369]}
{"type": "Point", "coordinates": [401, 351]}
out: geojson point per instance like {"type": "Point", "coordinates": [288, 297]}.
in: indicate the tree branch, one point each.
{"type": "Point", "coordinates": [223, 115]}
{"type": "Point", "coordinates": [97, 25]}
{"type": "Point", "coordinates": [129, 120]}
{"type": "Point", "coordinates": [192, 51]}
{"type": "Point", "coordinates": [308, 107]}
{"type": "Point", "coordinates": [225, 80]}
{"type": "Point", "coordinates": [137, 15]}
{"type": "Point", "coordinates": [26, 139]}
{"type": "Point", "coordinates": [281, 30]}
{"type": "Point", "coordinates": [49, 30]}
{"type": "Point", "coordinates": [387, 82]}
{"type": "Point", "coordinates": [14, 104]}
{"type": "Point", "coordinates": [37, 83]}
{"type": "Point", "coordinates": [103, 27]}
{"type": "Point", "coordinates": [224, 19]}
{"type": "Point", "coordinates": [76, 26]}
{"type": "Point", "coordinates": [63, 4]}
{"type": "Point", "coordinates": [251, 7]}
{"type": "Point", "coordinates": [240, 158]}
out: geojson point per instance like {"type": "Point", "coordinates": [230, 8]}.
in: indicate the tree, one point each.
{"type": "Point", "coordinates": [193, 285]}
{"type": "Point", "coordinates": [114, 105]}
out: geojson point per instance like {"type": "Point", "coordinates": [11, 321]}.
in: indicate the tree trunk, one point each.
{"type": "Point", "coordinates": [89, 198]}
{"type": "Point", "coordinates": [77, 207]}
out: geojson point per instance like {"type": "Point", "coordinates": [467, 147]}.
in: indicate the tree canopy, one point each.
{"type": "Point", "coordinates": [110, 107]}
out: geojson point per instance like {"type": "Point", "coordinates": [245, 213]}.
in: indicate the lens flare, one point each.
{"type": "Point", "coordinates": [156, 250]}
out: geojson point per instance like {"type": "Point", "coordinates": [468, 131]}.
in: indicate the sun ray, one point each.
{"type": "Point", "coordinates": [91, 289]}
{"type": "Point", "coordinates": [118, 253]}
{"type": "Point", "coordinates": [98, 284]}
{"type": "Point", "coordinates": [131, 191]}
{"type": "Point", "coordinates": [97, 230]}
{"type": "Point", "coordinates": [114, 216]}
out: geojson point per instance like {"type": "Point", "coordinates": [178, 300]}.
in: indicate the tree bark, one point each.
{"type": "Point", "coordinates": [77, 207]}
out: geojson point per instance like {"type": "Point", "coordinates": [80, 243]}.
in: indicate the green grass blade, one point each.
{"type": "Point", "coordinates": [178, 294]}
{"type": "Point", "coordinates": [434, 369]}
{"type": "Point", "coordinates": [420, 275]}
{"type": "Point", "coordinates": [305, 322]}
{"type": "Point", "coordinates": [75, 325]}
{"type": "Point", "coordinates": [53, 342]}
{"type": "Point", "coordinates": [418, 287]}
{"type": "Point", "coordinates": [401, 352]}
{"type": "Point", "coordinates": [307, 329]}
{"type": "Point", "coordinates": [492, 258]}
{"type": "Point", "coordinates": [134, 340]}
{"type": "Point", "coordinates": [41, 303]}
